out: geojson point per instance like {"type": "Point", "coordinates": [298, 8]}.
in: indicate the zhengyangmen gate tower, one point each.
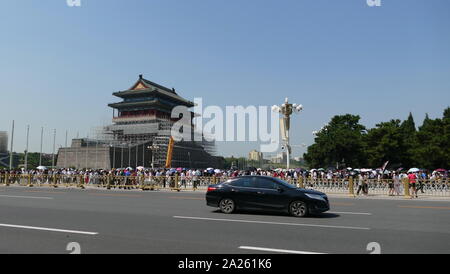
{"type": "Point", "coordinates": [141, 127]}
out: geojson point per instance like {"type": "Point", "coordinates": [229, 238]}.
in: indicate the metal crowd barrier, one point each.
{"type": "Point", "coordinates": [111, 182]}
{"type": "Point", "coordinates": [439, 187]}
{"type": "Point", "coordinates": [350, 186]}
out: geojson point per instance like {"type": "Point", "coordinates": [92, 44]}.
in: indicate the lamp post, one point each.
{"type": "Point", "coordinates": [153, 148]}
{"type": "Point", "coordinates": [286, 109]}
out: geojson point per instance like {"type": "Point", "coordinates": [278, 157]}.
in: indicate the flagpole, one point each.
{"type": "Point", "coordinates": [53, 153]}
{"type": "Point", "coordinates": [40, 154]}
{"type": "Point", "coordinates": [26, 149]}
{"type": "Point", "coordinates": [65, 152]}
{"type": "Point", "coordinates": [12, 147]}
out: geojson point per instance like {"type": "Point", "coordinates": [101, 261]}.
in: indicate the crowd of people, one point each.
{"type": "Point", "coordinates": [393, 178]}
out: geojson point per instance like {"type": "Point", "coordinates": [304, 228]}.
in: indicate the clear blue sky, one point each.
{"type": "Point", "coordinates": [59, 65]}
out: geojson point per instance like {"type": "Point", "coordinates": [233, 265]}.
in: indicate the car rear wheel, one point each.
{"type": "Point", "coordinates": [298, 209]}
{"type": "Point", "coordinates": [227, 206]}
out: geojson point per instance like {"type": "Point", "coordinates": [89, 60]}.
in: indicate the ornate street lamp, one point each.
{"type": "Point", "coordinates": [286, 109]}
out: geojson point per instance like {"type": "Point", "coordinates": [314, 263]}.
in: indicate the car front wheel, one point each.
{"type": "Point", "coordinates": [227, 206]}
{"type": "Point", "coordinates": [298, 209]}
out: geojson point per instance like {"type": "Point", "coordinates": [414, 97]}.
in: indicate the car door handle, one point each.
{"type": "Point", "coordinates": [260, 192]}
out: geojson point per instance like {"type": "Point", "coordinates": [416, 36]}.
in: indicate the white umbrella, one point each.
{"type": "Point", "coordinates": [210, 168]}
{"type": "Point", "coordinates": [217, 171]}
{"type": "Point", "coordinates": [129, 168]}
{"type": "Point", "coordinates": [41, 167]}
{"type": "Point", "coordinates": [140, 168]}
{"type": "Point", "coordinates": [412, 170]}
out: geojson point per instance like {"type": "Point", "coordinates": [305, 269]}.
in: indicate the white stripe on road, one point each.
{"type": "Point", "coordinates": [270, 223]}
{"type": "Point", "coordinates": [352, 213]}
{"type": "Point", "coordinates": [26, 197]}
{"type": "Point", "coordinates": [277, 250]}
{"type": "Point", "coordinates": [49, 229]}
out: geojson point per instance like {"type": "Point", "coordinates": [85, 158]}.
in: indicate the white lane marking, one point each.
{"type": "Point", "coordinates": [49, 229]}
{"type": "Point", "coordinates": [277, 250]}
{"type": "Point", "coordinates": [26, 197]}
{"type": "Point", "coordinates": [270, 223]}
{"type": "Point", "coordinates": [352, 213]}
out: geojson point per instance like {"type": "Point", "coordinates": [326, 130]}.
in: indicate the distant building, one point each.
{"type": "Point", "coordinates": [255, 155]}
{"type": "Point", "coordinates": [3, 142]}
{"type": "Point", "coordinates": [4, 155]}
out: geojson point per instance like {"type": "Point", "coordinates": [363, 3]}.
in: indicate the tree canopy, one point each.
{"type": "Point", "coordinates": [341, 141]}
{"type": "Point", "coordinates": [345, 140]}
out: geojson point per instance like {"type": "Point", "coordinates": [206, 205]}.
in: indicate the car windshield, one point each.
{"type": "Point", "coordinates": [284, 183]}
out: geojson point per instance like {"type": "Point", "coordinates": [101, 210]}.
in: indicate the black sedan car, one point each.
{"type": "Point", "coordinates": [265, 193]}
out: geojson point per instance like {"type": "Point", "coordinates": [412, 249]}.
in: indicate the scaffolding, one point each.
{"type": "Point", "coordinates": [135, 138]}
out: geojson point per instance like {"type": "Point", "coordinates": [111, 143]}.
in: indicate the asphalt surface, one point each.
{"type": "Point", "coordinates": [45, 220]}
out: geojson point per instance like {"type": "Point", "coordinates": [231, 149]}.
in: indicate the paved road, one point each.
{"type": "Point", "coordinates": [41, 220]}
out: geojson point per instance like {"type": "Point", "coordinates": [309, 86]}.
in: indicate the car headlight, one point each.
{"type": "Point", "coordinates": [315, 196]}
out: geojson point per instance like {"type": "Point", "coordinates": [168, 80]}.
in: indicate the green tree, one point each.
{"type": "Point", "coordinates": [409, 133]}
{"type": "Point", "coordinates": [33, 159]}
{"type": "Point", "coordinates": [447, 113]}
{"type": "Point", "coordinates": [385, 143]}
{"type": "Point", "coordinates": [398, 142]}
{"type": "Point", "coordinates": [446, 137]}
{"type": "Point", "coordinates": [433, 143]}
{"type": "Point", "coordinates": [341, 140]}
